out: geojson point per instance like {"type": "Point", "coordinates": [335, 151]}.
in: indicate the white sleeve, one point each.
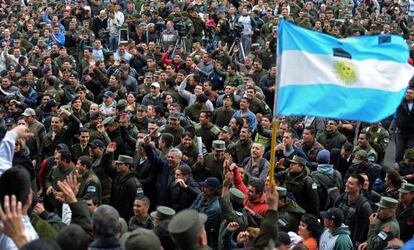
{"type": "Point", "coordinates": [7, 151]}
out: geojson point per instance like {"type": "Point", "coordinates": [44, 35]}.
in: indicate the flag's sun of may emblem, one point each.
{"type": "Point", "coordinates": [346, 71]}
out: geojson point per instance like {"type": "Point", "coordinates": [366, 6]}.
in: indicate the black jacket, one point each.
{"type": "Point", "coordinates": [405, 118]}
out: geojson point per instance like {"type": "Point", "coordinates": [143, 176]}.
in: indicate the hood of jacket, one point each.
{"type": "Point", "coordinates": [325, 169]}
{"type": "Point", "coordinates": [343, 229]}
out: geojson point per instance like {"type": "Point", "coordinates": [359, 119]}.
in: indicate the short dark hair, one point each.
{"type": "Point", "coordinates": [348, 147]}
{"type": "Point", "coordinates": [15, 181]}
{"type": "Point", "coordinates": [258, 185]}
{"type": "Point", "coordinates": [311, 130]}
{"type": "Point", "coordinates": [367, 135]}
{"type": "Point", "coordinates": [73, 237]}
{"type": "Point", "coordinates": [85, 160]}
{"type": "Point", "coordinates": [359, 178]}
{"type": "Point", "coordinates": [66, 156]}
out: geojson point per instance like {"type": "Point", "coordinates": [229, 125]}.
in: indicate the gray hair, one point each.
{"type": "Point", "coordinates": [105, 221]}
{"type": "Point", "coordinates": [177, 151]}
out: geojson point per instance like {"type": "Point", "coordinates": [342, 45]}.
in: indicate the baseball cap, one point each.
{"type": "Point", "coordinates": [334, 214]}
{"type": "Point", "coordinates": [96, 143]}
{"type": "Point", "coordinates": [9, 121]}
{"type": "Point", "coordinates": [211, 182]}
{"type": "Point", "coordinates": [323, 156]}
{"type": "Point", "coordinates": [155, 84]}
{"type": "Point", "coordinates": [108, 94]}
{"type": "Point", "coordinates": [29, 112]}
{"type": "Point", "coordinates": [360, 156]}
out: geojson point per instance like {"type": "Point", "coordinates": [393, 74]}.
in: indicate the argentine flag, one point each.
{"type": "Point", "coordinates": [357, 78]}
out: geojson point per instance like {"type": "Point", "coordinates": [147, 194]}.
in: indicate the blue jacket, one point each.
{"type": "Point", "coordinates": [213, 211]}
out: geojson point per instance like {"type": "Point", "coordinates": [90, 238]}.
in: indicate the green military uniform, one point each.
{"type": "Point", "coordinates": [222, 116]}
{"type": "Point", "coordinates": [68, 58]}
{"type": "Point", "coordinates": [57, 174]}
{"type": "Point", "coordinates": [290, 212]}
{"type": "Point", "coordinates": [240, 151]}
{"type": "Point", "coordinates": [208, 134]}
{"type": "Point", "coordinates": [302, 186]}
{"type": "Point", "coordinates": [235, 80]}
{"type": "Point", "coordinates": [229, 214]}
{"type": "Point", "coordinates": [193, 111]}
{"type": "Point", "coordinates": [380, 139]}
{"type": "Point", "coordinates": [223, 28]}
{"type": "Point", "coordinates": [177, 133]}
{"type": "Point", "coordinates": [89, 183]}
{"type": "Point", "coordinates": [191, 152]}
{"type": "Point", "coordinates": [259, 106]}
{"type": "Point", "coordinates": [405, 214]}
{"type": "Point", "coordinates": [211, 167]}
{"type": "Point", "coordinates": [383, 230]}
{"type": "Point", "coordinates": [185, 227]}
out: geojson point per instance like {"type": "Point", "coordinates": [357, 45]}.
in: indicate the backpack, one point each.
{"type": "Point", "coordinates": [330, 190]}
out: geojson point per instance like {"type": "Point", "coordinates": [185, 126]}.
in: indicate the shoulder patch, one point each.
{"type": "Point", "coordinates": [91, 189]}
{"type": "Point", "coordinates": [314, 186]}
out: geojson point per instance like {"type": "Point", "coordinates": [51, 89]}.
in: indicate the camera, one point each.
{"type": "Point", "coordinates": [237, 30]}
{"type": "Point", "coordinates": [181, 28]}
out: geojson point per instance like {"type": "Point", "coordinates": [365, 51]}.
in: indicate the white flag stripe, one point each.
{"type": "Point", "coordinates": [302, 68]}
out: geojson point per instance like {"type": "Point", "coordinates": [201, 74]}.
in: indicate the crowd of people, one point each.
{"type": "Point", "coordinates": [147, 125]}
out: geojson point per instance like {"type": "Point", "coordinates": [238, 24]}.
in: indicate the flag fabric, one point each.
{"type": "Point", "coordinates": [358, 78]}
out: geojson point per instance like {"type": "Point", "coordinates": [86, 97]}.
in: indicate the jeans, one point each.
{"type": "Point", "coordinates": [404, 141]}
{"type": "Point", "coordinates": [113, 43]}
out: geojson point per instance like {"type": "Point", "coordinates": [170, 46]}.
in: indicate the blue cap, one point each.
{"type": "Point", "coordinates": [211, 182]}
{"type": "Point", "coordinates": [323, 157]}
{"type": "Point", "coordinates": [108, 94]}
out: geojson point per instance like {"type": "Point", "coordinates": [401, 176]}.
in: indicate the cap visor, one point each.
{"type": "Point", "coordinates": [380, 205]}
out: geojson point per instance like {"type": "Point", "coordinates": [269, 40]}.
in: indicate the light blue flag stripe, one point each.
{"type": "Point", "coordinates": [292, 37]}
{"type": "Point", "coordinates": [333, 101]}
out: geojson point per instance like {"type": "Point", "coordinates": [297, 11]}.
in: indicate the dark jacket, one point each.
{"type": "Point", "coordinates": [356, 216]}
{"type": "Point", "coordinates": [124, 190]}
{"type": "Point", "coordinates": [182, 198]}
{"type": "Point", "coordinates": [405, 119]}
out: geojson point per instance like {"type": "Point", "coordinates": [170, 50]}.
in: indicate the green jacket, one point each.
{"type": "Point", "coordinates": [43, 228]}
{"type": "Point", "coordinates": [305, 190]}
{"type": "Point", "coordinates": [90, 183]}
{"type": "Point", "coordinates": [209, 134]}
{"type": "Point", "coordinates": [210, 168]}
{"type": "Point", "coordinates": [290, 215]}
{"type": "Point", "coordinates": [240, 151]}
{"type": "Point", "coordinates": [337, 240]}
{"type": "Point", "coordinates": [177, 133]}
{"type": "Point", "coordinates": [383, 231]}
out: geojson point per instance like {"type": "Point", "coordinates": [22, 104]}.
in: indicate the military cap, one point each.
{"type": "Point", "coordinates": [95, 143]}
{"type": "Point", "coordinates": [108, 121]}
{"type": "Point", "coordinates": [142, 108]}
{"type": "Point", "coordinates": [228, 96]}
{"type": "Point", "coordinates": [174, 115]}
{"type": "Point", "coordinates": [148, 74]}
{"type": "Point", "coordinates": [140, 239]}
{"type": "Point", "coordinates": [163, 213]}
{"type": "Point", "coordinates": [255, 45]}
{"type": "Point", "coordinates": [80, 88]}
{"type": "Point", "coordinates": [227, 129]}
{"type": "Point", "coordinates": [406, 188]}
{"type": "Point", "coordinates": [236, 195]}
{"type": "Point", "coordinates": [299, 160]}
{"type": "Point", "coordinates": [219, 145]}
{"type": "Point", "coordinates": [124, 159]}
{"type": "Point", "coordinates": [186, 225]}
{"type": "Point", "coordinates": [121, 105]}
{"type": "Point", "coordinates": [282, 191]}
{"type": "Point", "coordinates": [387, 202]}
{"type": "Point", "coordinates": [409, 154]}
{"type": "Point", "coordinates": [360, 156]}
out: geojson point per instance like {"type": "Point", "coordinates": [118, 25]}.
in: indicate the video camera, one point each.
{"type": "Point", "coordinates": [181, 27]}
{"type": "Point", "coordinates": [237, 30]}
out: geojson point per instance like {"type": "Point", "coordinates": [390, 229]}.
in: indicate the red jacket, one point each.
{"type": "Point", "coordinates": [257, 206]}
